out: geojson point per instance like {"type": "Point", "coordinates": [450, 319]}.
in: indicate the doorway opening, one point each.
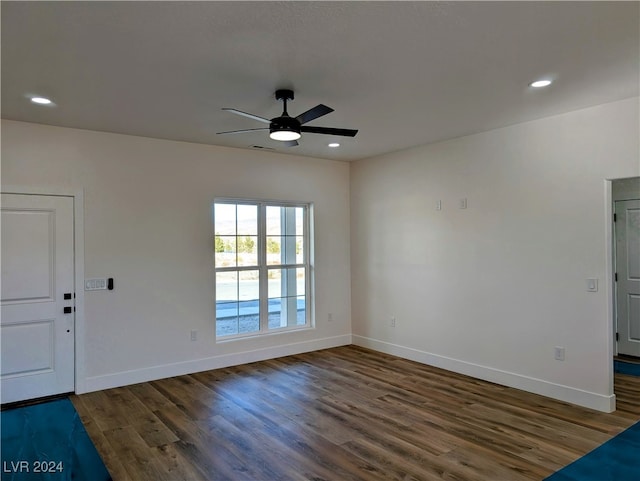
{"type": "Point", "coordinates": [625, 249]}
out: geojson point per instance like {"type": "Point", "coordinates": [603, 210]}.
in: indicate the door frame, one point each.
{"type": "Point", "coordinates": [78, 268]}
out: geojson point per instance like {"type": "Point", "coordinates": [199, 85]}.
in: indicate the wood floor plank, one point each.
{"type": "Point", "coordinates": [149, 396]}
{"type": "Point", "coordinates": [542, 431]}
{"type": "Point", "coordinates": [176, 467]}
{"type": "Point", "coordinates": [110, 458]}
{"type": "Point", "coordinates": [400, 465]}
{"type": "Point", "coordinates": [138, 459]}
{"type": "Point", "coordinates": [550, 456]}
{"type": "Point", "coordinates": [210, 455]}
{"type": "Point", "coordinates": [478, 466]}
{"type": "Point", "coordinates": [341, 414]}
{"type": "Point", "coordinates": [154, 432]}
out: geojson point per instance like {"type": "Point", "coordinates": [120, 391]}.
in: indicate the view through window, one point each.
{"type": "Point", "coordinates": [262, 265]}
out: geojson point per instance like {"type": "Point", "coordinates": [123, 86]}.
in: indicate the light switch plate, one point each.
{"type": "Point", "coordinates": [96, 284]}
{"type": "Point", "coordinates": [592, 285]}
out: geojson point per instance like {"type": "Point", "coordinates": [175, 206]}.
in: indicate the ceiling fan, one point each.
{"type": "Point", "coordinates": [288, 129]}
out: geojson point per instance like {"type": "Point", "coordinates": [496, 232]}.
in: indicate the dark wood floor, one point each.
{"type": "Point", "coordinates": [341, 414]}
{"type": "Point", "coordinates": [625, 358]}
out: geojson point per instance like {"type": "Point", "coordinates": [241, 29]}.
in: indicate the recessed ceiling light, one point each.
{"type": "Point", "coordinates": [334, 144]}
{"type": "Point", "coordinates": [41, 100]}
{"type": "Point", "coordinates": [540, 83]}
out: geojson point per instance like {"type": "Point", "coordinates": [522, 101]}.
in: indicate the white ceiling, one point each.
{"type": "Point", "coordinates": [403, 73]}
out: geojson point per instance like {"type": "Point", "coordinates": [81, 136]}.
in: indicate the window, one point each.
{"type": "Point", "coordinates": [262, 266]}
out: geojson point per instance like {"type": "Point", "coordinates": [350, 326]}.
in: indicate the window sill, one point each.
{"type": "Point", "coordinates": [255, 335]}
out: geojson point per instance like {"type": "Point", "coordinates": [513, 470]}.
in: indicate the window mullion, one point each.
{"type": "Point", "coordinates": [306, 235]}
{"type": "Point", "coordinates": [263, 285]}
{"type": "Point", "coordinates": [236, 268]}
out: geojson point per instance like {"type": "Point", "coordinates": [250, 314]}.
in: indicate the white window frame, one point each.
{"type": "Point", "coordinates": [263, 268]}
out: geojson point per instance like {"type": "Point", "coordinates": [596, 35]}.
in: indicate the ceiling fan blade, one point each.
{"type": "Point", "coordinates": [290, 143]}
{"type": "Point", "coordinates": [251, 116]}
{"type": "Point", "coordinates": [314, 113]}
{"type": "Point", "coordinates": [328, 131]}
{"type": "Point", "coordinates": [244, 131]}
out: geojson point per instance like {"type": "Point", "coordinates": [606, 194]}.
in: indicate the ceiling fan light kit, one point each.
{"type": "Point", "coordinates": [283, 134]}
{"type": "Point", "coordinates": [288, 129]}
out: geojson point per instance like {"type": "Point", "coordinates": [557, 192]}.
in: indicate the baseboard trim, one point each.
{"type": "Point", "coordinates": [135, 376]}
{"type": "Point", "coordinates": [559, 392]}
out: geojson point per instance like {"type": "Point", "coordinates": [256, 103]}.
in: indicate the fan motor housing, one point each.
{"type": "Point", "coordinates": [284, 123]}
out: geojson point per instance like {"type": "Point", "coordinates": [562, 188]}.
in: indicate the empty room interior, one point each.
{"type": "Point", "coordinates": [321, 240]}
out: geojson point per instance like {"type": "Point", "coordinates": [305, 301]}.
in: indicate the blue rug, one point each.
{"type": "Point", "coordinates": [626, 368]}
{"type": "Point", "coordinates": [616, 460]}
{"type": "Point", "coordinates": [47, 442]}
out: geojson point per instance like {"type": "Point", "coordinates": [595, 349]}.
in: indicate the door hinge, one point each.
{"type": "Point", "coordinates": [617, 336]}
{"type": "Point", "coordinates": [615, 217]}
{"type": "Point", "coordinates": [615, 278]}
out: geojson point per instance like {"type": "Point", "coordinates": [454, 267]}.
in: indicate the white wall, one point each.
{"type": "Point", "coordinates": [487, 291]}
{"type": "Point", "coordinates": [147, 224]}
{"type": "Point", "coordinates": [492, 289]}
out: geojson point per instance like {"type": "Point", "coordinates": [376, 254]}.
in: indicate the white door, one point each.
{"type": "Point", "coordinates": [38, 349]}
{"type": "Point", "coordinates": [628, 274]}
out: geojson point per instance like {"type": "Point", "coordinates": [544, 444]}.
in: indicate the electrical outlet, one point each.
{"type": "Point", "coordinates": [392, 323]}
{"type": "Point", "coordinates": [194, 335]}
{"type": "Point", "coordinates": [438, 205]}
{"type": "Point", "coordinates": [559, 353]}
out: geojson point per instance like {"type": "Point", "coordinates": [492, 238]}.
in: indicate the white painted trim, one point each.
{"type": "Point", "coordinates": [626, 188]}
{"type": "Point", "coordinates": [78, 227]}
{"type": "Point", "coordinates": [78, 258]}
{"type": "Point", "coordinates": [610, 267]}
{"type": "Point", "coordinates": [125, 378]}
{"type": "Point", "coordinates": [525, 383]}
